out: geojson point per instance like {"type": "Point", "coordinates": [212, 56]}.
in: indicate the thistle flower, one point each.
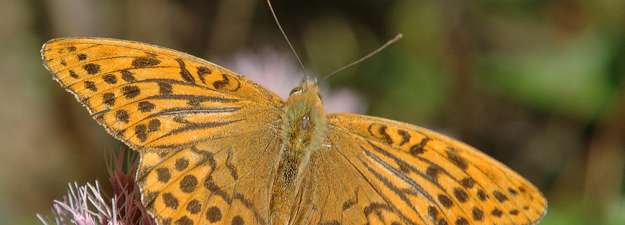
{"type": "Point", "coordinates": [87, 205]}
{"type": "Point", "coordinates": [129, 206]}
{"type": "Point", "coordinates": [83, 205]}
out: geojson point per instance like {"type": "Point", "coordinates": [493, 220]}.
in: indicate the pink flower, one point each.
{"type": "Point", "coordinates": [86, 205]}
{"type": "Point", "coordinates": [83, 205]}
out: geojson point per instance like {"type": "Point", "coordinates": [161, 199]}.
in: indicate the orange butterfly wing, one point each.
{"type": "Point", "coordinates": [206, 135]}
{"type": "Point", "coordinates": [403, 174]}
{"type": "Point", "coordinates": [154, 98]}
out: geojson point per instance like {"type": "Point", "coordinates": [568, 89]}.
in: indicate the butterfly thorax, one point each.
{"type": "Point", "coordinates": [305, 123]}
{"type": "Point", "coordinates": [303, 131]}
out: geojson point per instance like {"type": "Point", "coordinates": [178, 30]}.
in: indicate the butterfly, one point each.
{"type": "Point", "coordinates": [217, 148]}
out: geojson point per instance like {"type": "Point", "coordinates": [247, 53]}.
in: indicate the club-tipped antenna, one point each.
{"type": "Point", "coordinates": [275, 18]}
{"type": "Point", "coordinates": [367, 56]}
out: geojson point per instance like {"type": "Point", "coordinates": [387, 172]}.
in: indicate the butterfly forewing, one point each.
{"type": "Point", "coordinates": [156, 98]}
{"type": "Point", "coordinates": [426, 178]}
{"type": "Point", "coordinates": [206, 135]}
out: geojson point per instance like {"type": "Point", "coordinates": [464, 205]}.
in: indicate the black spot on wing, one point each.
{"type": "Point", "coordinates": [109, 78]}
{"type": "Point", "coordinates": [188, 183]}
{"type": "Point", "coordinates": [482, 195]}
{"type": "Point", "coordinates": [169, 200]}
{"type": "Point", "coordinates": [237, 220]}
{"type": "Point", "coordinates": [91, 68]}
{"type": "Point", "coordinates": [184, 73]}
{"type": "Point", "coordinates": [128, 76]}
{"type": "Point", "coordinates": [163, 175]}
{"type": "Point", "coordinates": [141, 62]}
{"type": "Point", "coordinates": [405, 136]}
{"type": "Point", "coordinates": [500, 196]}
{"type": "Point", "coordinates": [108, 99]}
{"type": "Point", "coordinates": [512, 191]}
{"type": "Point", "coordinates": [164, 88]}
{"type": "Point", "coordinates": [461, 195]}
{"type": "Point", "coordinates": [194, 206]}
{"type": "Point", "coordinates": [131, 91]}
{"type": "Point", "coordinates": [418, 148]}
{"type": "Point", "coordinates": [445, 201]}
{"type": "Point", "coordinates": [379, 131]}
{"type": "Point", "coordinates": [433, 213]}
{"type": "Point", "coordinates": [122, 116]}
{"type": "Point", "coordinates": [146, 106]}
{"type": "Point", "coordinates": [213, 214]}
{"type": "Point", "coordinates": [478, 214]}
{"type": "Point", "coordinates": [432, 171]}
{"type": "Point", "coordinates": [181, 164]}
{"type": "Point", "coordinates": [386, 137]}
{"type": "Point", "coordinates": [219, 84]}
{"type": "Point", "coordinates": [73, 74]}
{"type": "Point", "coordinates": [154, 125]}
{"type": "Point", "coordinates": [467, 182]}
{"type": "Point", "coordinates": [456, 159]}
{"type": "Point", "coordinates": [140, 132]}
{"type": "Point", "coordinates": [91, 86]}
{"type": "Point", "coordinates": [202, 71]}
{"type": "Point", "coordinates": [184, 220]}
{"type": "Point", "coordinates": [496, 212]}
{"type": "Point", "coordinates": [462, 221]}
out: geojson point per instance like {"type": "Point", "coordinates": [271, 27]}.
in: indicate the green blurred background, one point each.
{"type": "Point", "coordinates": [535, 84]}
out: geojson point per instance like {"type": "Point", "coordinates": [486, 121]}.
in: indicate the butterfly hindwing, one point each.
{"type": "Point", "coordinates": [218, 182]}
{"type": "Point", "coordinates": [423, 177]}
{"type": "Point", "coordinates": [153, 98]}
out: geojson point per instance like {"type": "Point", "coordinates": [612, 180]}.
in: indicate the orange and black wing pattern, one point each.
{"type": "Point", "coordinates": [153, 98]}
{"type": "Point", "coordinates": [206, 135]}
{"type": "Point", "coordinates": [403, 174]}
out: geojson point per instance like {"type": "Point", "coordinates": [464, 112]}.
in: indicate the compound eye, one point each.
{"type": "Point", "coordinates": [295, 90]}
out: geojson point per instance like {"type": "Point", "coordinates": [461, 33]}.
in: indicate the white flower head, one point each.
{"type": "Point", "coordinates": [83, 205]}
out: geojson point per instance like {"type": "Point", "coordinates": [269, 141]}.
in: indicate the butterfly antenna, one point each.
{"type": "Point", "coordinates": [275, 18]}
{"type": "Point", "coordinates": [374, 52]}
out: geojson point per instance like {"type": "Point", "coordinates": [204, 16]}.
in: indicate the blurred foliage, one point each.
{"type": "Point", "coordinates": [536, 84]}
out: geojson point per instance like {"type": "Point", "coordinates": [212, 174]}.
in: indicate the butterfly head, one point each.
{"type": "Point", "coordinates": [307, 90]}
